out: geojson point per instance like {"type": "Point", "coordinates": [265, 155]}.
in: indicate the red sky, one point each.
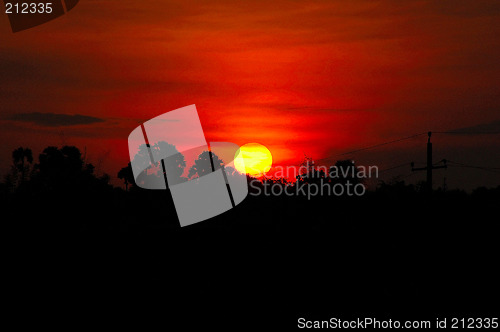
{"type": "Point", "coordinates": [301, 77]}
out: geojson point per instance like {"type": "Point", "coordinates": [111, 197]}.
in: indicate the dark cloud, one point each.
{"type": "Point", "coordinates": [54, 119]}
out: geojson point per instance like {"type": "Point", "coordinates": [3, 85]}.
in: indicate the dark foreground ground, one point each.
{"type": "Point", "coordinates": [120, 258]}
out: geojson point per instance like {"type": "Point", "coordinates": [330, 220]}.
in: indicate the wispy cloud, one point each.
{"type": "Point", "coordinates": [54, 119]}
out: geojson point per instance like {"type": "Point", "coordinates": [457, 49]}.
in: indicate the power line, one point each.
{"type": "Point", "coordinates": [382, 144]}
{"type": "Point", "coordinates": [373, 146]}
{"type": "Point", "coordinates": [467, 133]}
{"type": "Point", "coordinates": [406, 138]}
{"type": "Point", "coordinates": [462, 164]}
{"type": "Point", "coordinates": [395, 167]}
{"type": "Point", "coordinates": [481, 168]}
{"type": "Point", "coordinates": [439, 162]}
{"type": "Point", "coordinates": [490, 169]}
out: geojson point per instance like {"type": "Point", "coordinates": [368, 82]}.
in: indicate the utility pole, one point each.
{"type": "Point", "coordinates": [429, 166]}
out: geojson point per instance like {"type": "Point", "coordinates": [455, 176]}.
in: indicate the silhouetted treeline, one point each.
{"type": "Point", "coordinates": [64, 170]}
{"type": "Point", "coordinates": [390, 252]}
{"type": "Point", "coordinates": [57, 170]}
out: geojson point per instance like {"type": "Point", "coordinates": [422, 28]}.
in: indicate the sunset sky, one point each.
{"type": "Point", "coordinates": [301, 77]}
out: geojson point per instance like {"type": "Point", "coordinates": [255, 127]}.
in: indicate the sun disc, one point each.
{"type": "Point", "coordinates": [253, 159]}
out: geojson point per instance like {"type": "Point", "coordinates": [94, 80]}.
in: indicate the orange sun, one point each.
{"type": "Point", "coordinates": [253, 159]}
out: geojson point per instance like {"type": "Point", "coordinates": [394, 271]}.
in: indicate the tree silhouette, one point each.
{"type": "Point", "coordinates": [173, 161]}
{"type": "Point", "coordinates": [142, 159]}
{"type": "Point", "coordinates": [310, 173]}
{"type": "Point", "coordinates": [20, 157]}
{"type": "Point", "coordinates": [345, 171]}
{"type": "Point", "coordinates": [203, 165]}
{"type": "Point", "coordinates": [64, 169]}
{"type": "Point", "coordinates": [126, 175]}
